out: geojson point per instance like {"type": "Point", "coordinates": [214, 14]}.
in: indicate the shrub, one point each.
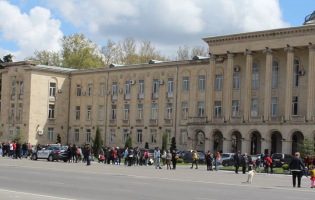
{"type": "Point", "coordinates": [180, 160]}
{"type": "Point", "coordinates": [285, 167]}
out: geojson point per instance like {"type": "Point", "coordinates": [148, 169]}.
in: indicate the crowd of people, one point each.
{"type": "Point", "coordinates": [15, 149]}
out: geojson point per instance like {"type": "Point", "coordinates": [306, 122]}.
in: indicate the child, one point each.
{"type": "Point", "coordinates": [312, 175]}
{"type": "Point", "coordinates": [101, 157]}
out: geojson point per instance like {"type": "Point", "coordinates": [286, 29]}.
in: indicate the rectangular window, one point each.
{"type": "Point", "coordinates": [296, 69]}
{"type": "Point", "coordinates": [88, 135]}
{"type": "Point", "coordinates": [77, 113]}
{"type": "Point", "coordinates": [17, 130]}
{"type": "Point", "coordinates": [155, 86]}
{"type": "Point", "coordinates": [140, 111]}
{"type": "Point", "coordinates": [100, 112]}
{"type": "Point", "coordinates": [236, 81]}
{"type": "Point", "coordinates": [255, 76]}
{"type": "Point", "coordinates": [52, 89]}
{"type": "Point", "coordinates": [201, 109]}
{"type": "Point", "coordinates": [51, 111]}
{"type": "Point", "coordinates": [154, 110]}
{"type": "Point", "coordinates": [170, 85]}
{"type": "Point", "coordinates": [218, 82]}
{"type": "Point", "coordinates": [90, 87]}
{"type": "Point", "coordinates": [12, 110]}
{"type": "Point", "coordinates": [126, 134]}
{"type": "Point", "coordinates": [217, 109]}
{"type": "Point", "coordinates": [88, 112]}
{"type": "Point", "coordinates": [127, 87]}
{"type": "Point", "coordinates": [21, 87]}
{"type": "Point", "coordinates": [76, 135]}
{"type": "Point", "coordinates": [169, 135]}
{"type": "Point", "coordinates": [13, 87]}
{"type": "Point", "coordinates": [102, 89]}
{"type": "Point", "coordinates": [169, 110]}
{"type": "Point", "coordinates": [113, 112]}
{"type": "Point", "coordinates": [254, 107]}
{"type": "Point", "coordinates": [275, 74]}
{"type": "Point", "coordinates": [274, 106]}
{"type": "Point", "coordinates": [153, 136]}
{"type": "Point", "coordinates": [235, 108]}
{"type": "Point", "coordinates": [20, 109]}
{"type": "Point", "coordinates": [50, 134]}
{"type": "Point", "coordinates": [202, 82]}
{"type": "Point", "coordinates": [141, 86]}
{"type": "Point", "coordinates": [184, 110]}
{"type": "Point", "coordinates": [114, 88]}
{"type": "Point", "coordinates": [10, 134]}
{"type": "Point", "coordinates": [112, 135]}
{"type": "Point", "coordinates": [139, 136]}
{"type": "Point", "coordinates": [185, 84]}
{"type": "Point", "coordinates": [78, 90]}
{"type": "Point", "coordinates": [295, 105]}
{"type": "Point", "coordinates": [126, 113]}
{"type": "Point", "coordinates": [183, 136]}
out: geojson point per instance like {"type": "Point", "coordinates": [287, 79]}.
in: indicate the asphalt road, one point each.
{"type": "Point", "coordinates": [32, 180]}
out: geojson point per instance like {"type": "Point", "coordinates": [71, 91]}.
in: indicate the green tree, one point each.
{"type": "Point", "coordinates": [8, 58]}
{"type": "Point", "coordinates": [58, 139]}
{"type": "Point", "coordinates": [146, 145]}
{"type": "Point", "coordinates": [18, 138]}
{"type": "Point", "coordinates": [46, 58]}
{"type": "Point", "coordinates": [97, 142]}
{"type": "Point", "coordinates": [80, 53]}
{"type": "Point", "coordinates": [128, 142]}
{"type": "Point", "coordinates": [164, 141]}
{"type": "Point", "coordinates": [306, 147]}
{"type": "Point", "coordinates": [173, 144]}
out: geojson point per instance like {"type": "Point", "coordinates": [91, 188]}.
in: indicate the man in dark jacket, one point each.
{"type": "Point", "coordinates": [87, 154]}
{"type": "Point", "coordinates": [296, 166]}
{"type": "Point", "coordinates": [24, 150]}
{"type": "Point", "coordinates": [237, 161]}
{"type": "Point", "coordinates": [118, 155]}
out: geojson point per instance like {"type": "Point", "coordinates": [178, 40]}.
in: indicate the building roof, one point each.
{"type": "Point", "coordinates": [56, 68]}
{"type": "Point", "coordinates": [310, 19]}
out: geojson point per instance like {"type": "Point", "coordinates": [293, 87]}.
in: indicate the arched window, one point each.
{"type": "Point", "coordinates": [255, 76]}
{"type": "Point", "coordinates": [275, 74]}
{"type": "Point", "coordinates": [296, 69]}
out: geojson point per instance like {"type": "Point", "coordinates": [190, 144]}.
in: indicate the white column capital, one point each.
{"type": "Point", "coordinates": [248, 53]}
{"type": "Point", "coordinates": [268, 51]}
{"type": "Point", "coordinates": [289, 49]}
{"type": "Point", "coordinates": [311, 47]}
{"type": "Point", "coordinates": [213, 57]}
{"type": "Point", "coordinates": [230, 55]}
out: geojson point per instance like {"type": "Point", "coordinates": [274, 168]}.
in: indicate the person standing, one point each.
{"type": "Point", "coordinates": [217, 160]}
{"type": "Point", "coordinates": [118, 155]}
{"type": "Point", "coordinates": [157, 155]}
{"type": "Point", "coordinates": [168, 158]}
{"type": "Point", "coordinates": [174, 159]}
{"type": "Point", "coordinates": [25, 150]}
{"type": "Point", "coordinates": [137, 156]}
{"type": "Point", "coordinates": [74, 153]}
{"type": "Point", "coordinates": [126, 156]}
{"type": "Point", "coordinates": [87, 154]}
{"type": "Point", "coordinates": [244, 162]}
{"type": "Point", "coordinates": [146, 157]}
{"type": "Point", "coordinates": [209, 160]}
{"type": "Point", "coordinates": [296, 166]}
{"type": "Point", "coordinates": [164, 157]}
{"type": "Point", "coordinates": [237, 161]}
{"type": "Point", "coordinates": [267, 163]}
{"type": "Point", "coordinates": [195, 159]}
{"type": "Point", "coordinates": [69, 152]}
{"type": "Point", "coordinates": [18, 150]}
{"type": "Point", "coordinates": [130, 156]}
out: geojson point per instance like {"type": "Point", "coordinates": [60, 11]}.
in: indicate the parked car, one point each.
{"type": "Point", "coordinates": [50, 153]}
{"type": "Point", "coordinates": [230, 160]}
{"type": "Point", "coordinates": [180, 153]}
{"type": "Point", "coordinates": [226, 156]}
{"type": "Point", "coordinates": [280, 159]}
{"type": "Point", "coordinates": [188, 157]}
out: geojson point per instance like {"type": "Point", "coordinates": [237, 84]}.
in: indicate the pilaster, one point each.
{"type": "Point", "coordinates": [289, 83]}
{"type": "Point", "coordinates": [268, 80]}
{"type": "Point", "coordinates": [229, 85]}
{"type": "Point", "coordinates": [310, 85]}
{"type": "Point", "coordinates": [211, 87]}
{"type": "Point", "coordinates": [248, 84]}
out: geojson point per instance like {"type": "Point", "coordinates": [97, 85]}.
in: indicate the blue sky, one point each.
{"type": "Point", "coordinates": [31, 25]}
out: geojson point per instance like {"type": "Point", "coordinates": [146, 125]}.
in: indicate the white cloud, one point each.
{"type": "Point", "coordinates": [169, 23]}
{"type": "Point", "coordinates": [36, 30]}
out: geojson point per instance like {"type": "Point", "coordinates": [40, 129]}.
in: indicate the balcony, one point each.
{"type": "Point", "coordinates": [169, 95]}
{"type": "Point", "coordinates": [20, 96]}
{"type": "Point", "coordinates": [125, 122]}
{"type": "Point", "coordinates": [112, 122]}
{"type": "Point", "coordinates": [218, 120]}
{"type": "Point", "coordinates": [155, 95]}
{"type": "Point", "coordinates": [275, 119]}
{"type": "Point", "coordinates": [168, 122]}
{"type": "Point", "coordinates": [236, 120]}
{"type": "Point", "coordinates": [197, 120]}
{"type": "Point", "coordinates": [139, 122]}
{"type": "Point", "coordinates": [297, 119]}
{"type": "Point", "coordinates": [153, 122]}
{"type": "Point", "coordinates": [52, 98]}
{"type": "Point", "coordinates": [114, 97]}
{"type": "Point", "coordinates": [256, 119]}
{"type": "Point", "coordinates": [127, 96]}
{"type": "Point", "coordinates": [141, 96]}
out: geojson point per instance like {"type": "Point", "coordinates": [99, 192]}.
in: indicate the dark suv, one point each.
{"type": "Point", "coordinates": [280, 159]}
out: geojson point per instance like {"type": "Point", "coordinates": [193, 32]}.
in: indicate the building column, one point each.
{"type": "Point", "coordinates": [226, 145]}
{"type": "Point", "coordinates": [229, 86]}
{"type": "Point", "coordinates": [245, 147]}
{"type": "Point", "coordinates": [268, 81]}
{"type": "Point", "coordinates": [211, 81]}
{"type": "Point", "coordinates": [248, 84]}
{"type": "Point", "coordinates": [311, 82]}
{"type": "Point", "coordinates": [289, 83]}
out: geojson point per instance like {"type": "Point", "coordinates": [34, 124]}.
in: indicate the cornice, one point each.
{"type": "Point", "coordinates": [261, 35]}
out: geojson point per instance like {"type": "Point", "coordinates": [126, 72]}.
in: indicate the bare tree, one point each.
{"type": "Point", "coordinates": [183, 53]}
{"type": "Point", "coordinates": [199, 51]}
{"type": "Point", "coordinates": [110, 53]}
{"type": "Point", "coordinates": [129, 47]}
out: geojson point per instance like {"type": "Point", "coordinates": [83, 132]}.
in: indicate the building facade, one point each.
{"type": "Point", "coordinates": [254, 94]}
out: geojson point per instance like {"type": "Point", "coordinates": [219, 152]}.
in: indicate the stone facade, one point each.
{"type": "Point", "coordinates": [255, 93]}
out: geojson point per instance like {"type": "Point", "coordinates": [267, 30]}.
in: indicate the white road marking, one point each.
{"type": "Point", "coordinates": [37, 195]}
{"type": "Point", "coordinates": [205, 199]}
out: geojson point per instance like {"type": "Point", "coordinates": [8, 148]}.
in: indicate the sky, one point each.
{"type": "Point", "coordinates": [29, 25]}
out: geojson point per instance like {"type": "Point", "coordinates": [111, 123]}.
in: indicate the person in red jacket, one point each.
{"type": "Point", "coordinates": [14, 150]}
{"type": "Point", "coordinates": [267, 162]}
{"type": "Point", "coordinates": [307, 161]}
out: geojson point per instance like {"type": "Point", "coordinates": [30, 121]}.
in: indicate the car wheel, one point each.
{"type": "Point", "coordinates": [50, 158]}
{"type": "Point", "coordinates": [34, 157]}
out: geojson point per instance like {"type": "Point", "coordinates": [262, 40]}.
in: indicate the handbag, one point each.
{"type": "Point", "coordinates": [90, 158]}
{"type": "Point", "coordinates": [176, 157]}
